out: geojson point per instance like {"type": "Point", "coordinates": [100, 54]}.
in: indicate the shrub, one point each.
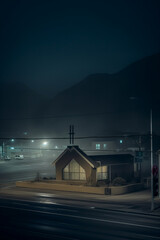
{"type": "Point", "coordinates": [103, 182]}
{"type": "Point", "coordinates": [45, 178]}
{"type": "Point", "coordinates": [119, 181]}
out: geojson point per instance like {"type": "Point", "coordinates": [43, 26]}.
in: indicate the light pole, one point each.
{"type": "Point", "coordinates": [159, 173]}
{"type": "Point", "coordinates": [151, 133]}
{"type": "Point", "coordinates": [3, 151]}
{"type": "Point", "coordinates": [45, 143]}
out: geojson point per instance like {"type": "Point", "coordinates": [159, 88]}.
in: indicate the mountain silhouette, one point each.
{"type": "Point", "coordinates": [100, 104]}
{"type": "Point", "coordinates": [118, 102]}
{"type": "Point", "coordinates": [99, 92]}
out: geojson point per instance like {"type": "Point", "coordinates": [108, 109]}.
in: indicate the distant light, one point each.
{"type": "Point", "coordinates": [56, 147]}
{"type": "Point", "coordinates": [105, 145]}
{"type": "Point", "coordinates": [98, 146]}
{"type": "Point", "coordinates": [25, 133]}
{"type": "Point", "coordinates": [12, 140]}
{"type": "Point", "coordinates": [45, 143]}
{"type": "Point", "coordinates": [12, 148]}
{"type": "Point", "coordinates": [121, 141]}
{"type": "Point", "coordinates": [32, 141]}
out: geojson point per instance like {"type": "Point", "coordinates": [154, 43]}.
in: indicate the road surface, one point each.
{"type": "Point", "coordinates": [25, 169]}
{"type": "Point", "coordinates": [43, 216]}
{"type": "Point", "coordinates": [22, 219]}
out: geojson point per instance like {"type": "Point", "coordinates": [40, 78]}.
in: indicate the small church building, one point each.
{"type": "Point", "coordinates": [74, 165]}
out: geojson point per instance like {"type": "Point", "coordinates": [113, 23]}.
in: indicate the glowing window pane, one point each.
{"type": "Point", "coordinates": [74, 171]}
{"type": "Point", "coordinates": [98, 146]}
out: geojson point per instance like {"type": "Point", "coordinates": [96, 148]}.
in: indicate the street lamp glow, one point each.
{"type": "Point", "coordinates": [32, 141]}
{"type": "Point", "coordinates": [45, 143]}
{"type": "Point", "coordinates": [12, 140]}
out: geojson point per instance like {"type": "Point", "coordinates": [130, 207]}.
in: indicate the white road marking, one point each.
{"type": "Point", "coordinates": [26, 203]}
{"type": "Point", "coordinates": [87, 218]}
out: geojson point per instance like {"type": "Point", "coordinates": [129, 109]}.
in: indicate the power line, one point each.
{"type": "Point", "coordinates": [78, 138]}
{"type": "Point", "coordinates": [61, 116]}
{"type": "Point", "coordinates": [85, 150]}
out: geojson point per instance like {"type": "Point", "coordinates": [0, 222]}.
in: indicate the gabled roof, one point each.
{"type": "Point", "coordinates": [97, 160]}
{"type": "Point", "coordinates": [112, 159]}
{"type": "Point", "coordinates": [89, 160]}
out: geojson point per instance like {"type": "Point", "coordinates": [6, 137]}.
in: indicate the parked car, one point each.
{"type": "Point", "coordinates": [19, 157]}
{"type": "Point", "coordinates": [7, 158]}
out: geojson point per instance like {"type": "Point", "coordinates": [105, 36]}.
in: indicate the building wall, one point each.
{"type": "Point", "coordinates": [125, 171]}
{"type": "Point", "coordinates": [64, 161]}
{"type": "Point", "coordinates": [104, 145]}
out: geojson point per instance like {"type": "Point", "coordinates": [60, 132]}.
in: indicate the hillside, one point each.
{"type": "Point", "coordinates": [101, 104]}
{"type": "Point", "coordinates": [126, 97]}
{"type": "Point", "coordinates": [97, 92]}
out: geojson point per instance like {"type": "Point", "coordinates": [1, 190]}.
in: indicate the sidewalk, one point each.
{"type": "Point", "coordinates": [137, 202]}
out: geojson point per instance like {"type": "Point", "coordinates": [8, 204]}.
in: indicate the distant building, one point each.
{"type": "Point", "coordinates": [74, 165]}
{"type": "Point", "coordinates": [128, 145]}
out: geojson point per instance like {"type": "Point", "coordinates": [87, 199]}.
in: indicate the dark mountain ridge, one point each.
{"type": "Point", "coordinates": [99, 104]}
{"type": "Point", "coordinates": [99, 92]}
{"type": "Point", "coordinates": [126, 97]}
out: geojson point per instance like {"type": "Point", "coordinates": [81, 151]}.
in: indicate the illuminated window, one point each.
{"type": "Point", "coordinates": [98, 146]}
{"type": "Point", "coordinates": [102, 173]}
{"type": "Point", "coordinates": [105, 145]}
{"type": "Point", "coordinates": [73, 171]}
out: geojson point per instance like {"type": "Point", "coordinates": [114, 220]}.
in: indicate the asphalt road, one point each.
{"type": "Point", "coordinates": [36, 220]}
{"type": "Point", "coordinates": [48, 217]}
{"type": "Point", "coordinates": [25, 169]}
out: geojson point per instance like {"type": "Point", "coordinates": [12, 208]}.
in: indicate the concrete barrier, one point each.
{"type": "Point", "coordinates": [61, 187]}
{"type": "Point", "coordinates": [84, 189]}
{"type": "Point", "coordinates": [126, 189]}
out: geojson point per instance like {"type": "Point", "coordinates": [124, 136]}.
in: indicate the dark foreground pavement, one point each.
{"type": "Point", "coordinates": [43, 214]}
{"type": "Point", "coordinates": [131, 202]}
{"type": "Point", "coordinates": [37, 220]}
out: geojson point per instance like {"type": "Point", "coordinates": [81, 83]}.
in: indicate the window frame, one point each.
{"type": "Point", "coordinates": [68, 172]}
{"type": "Point", "coordinates": [98, 146]}
{"type": "Point", "coordinates": [102, 172]}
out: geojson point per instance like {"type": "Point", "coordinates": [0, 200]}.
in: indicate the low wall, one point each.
{"type": "Point", "coordinates": [84, 189]}
{"type": "Point", "coordinates": [126, 189]}
{"type": "Point", "coordinates": [61, 187]}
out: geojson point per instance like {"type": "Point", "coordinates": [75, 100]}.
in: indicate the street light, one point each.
{"type": "Point", "coordinates": [151, 133]}
{"type": "Point", "coordinates": [151, 154]}
{"type": "Point", "coordinates": [45, 143]}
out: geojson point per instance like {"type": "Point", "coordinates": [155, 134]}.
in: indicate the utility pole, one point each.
{"type": "Point", "coordinates": [3, 151]}
{"type": "Point", "coordinates": [151, 133]}
{"type": "Point", "coordinates": [140, 164]}
{"type": "Point", "coordinates": [71, 134]}
{"type": "Point", "coordinates": [159, 174]}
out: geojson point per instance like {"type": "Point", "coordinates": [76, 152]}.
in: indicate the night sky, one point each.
{"type": "Point", "coordinates": [51, 45]}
